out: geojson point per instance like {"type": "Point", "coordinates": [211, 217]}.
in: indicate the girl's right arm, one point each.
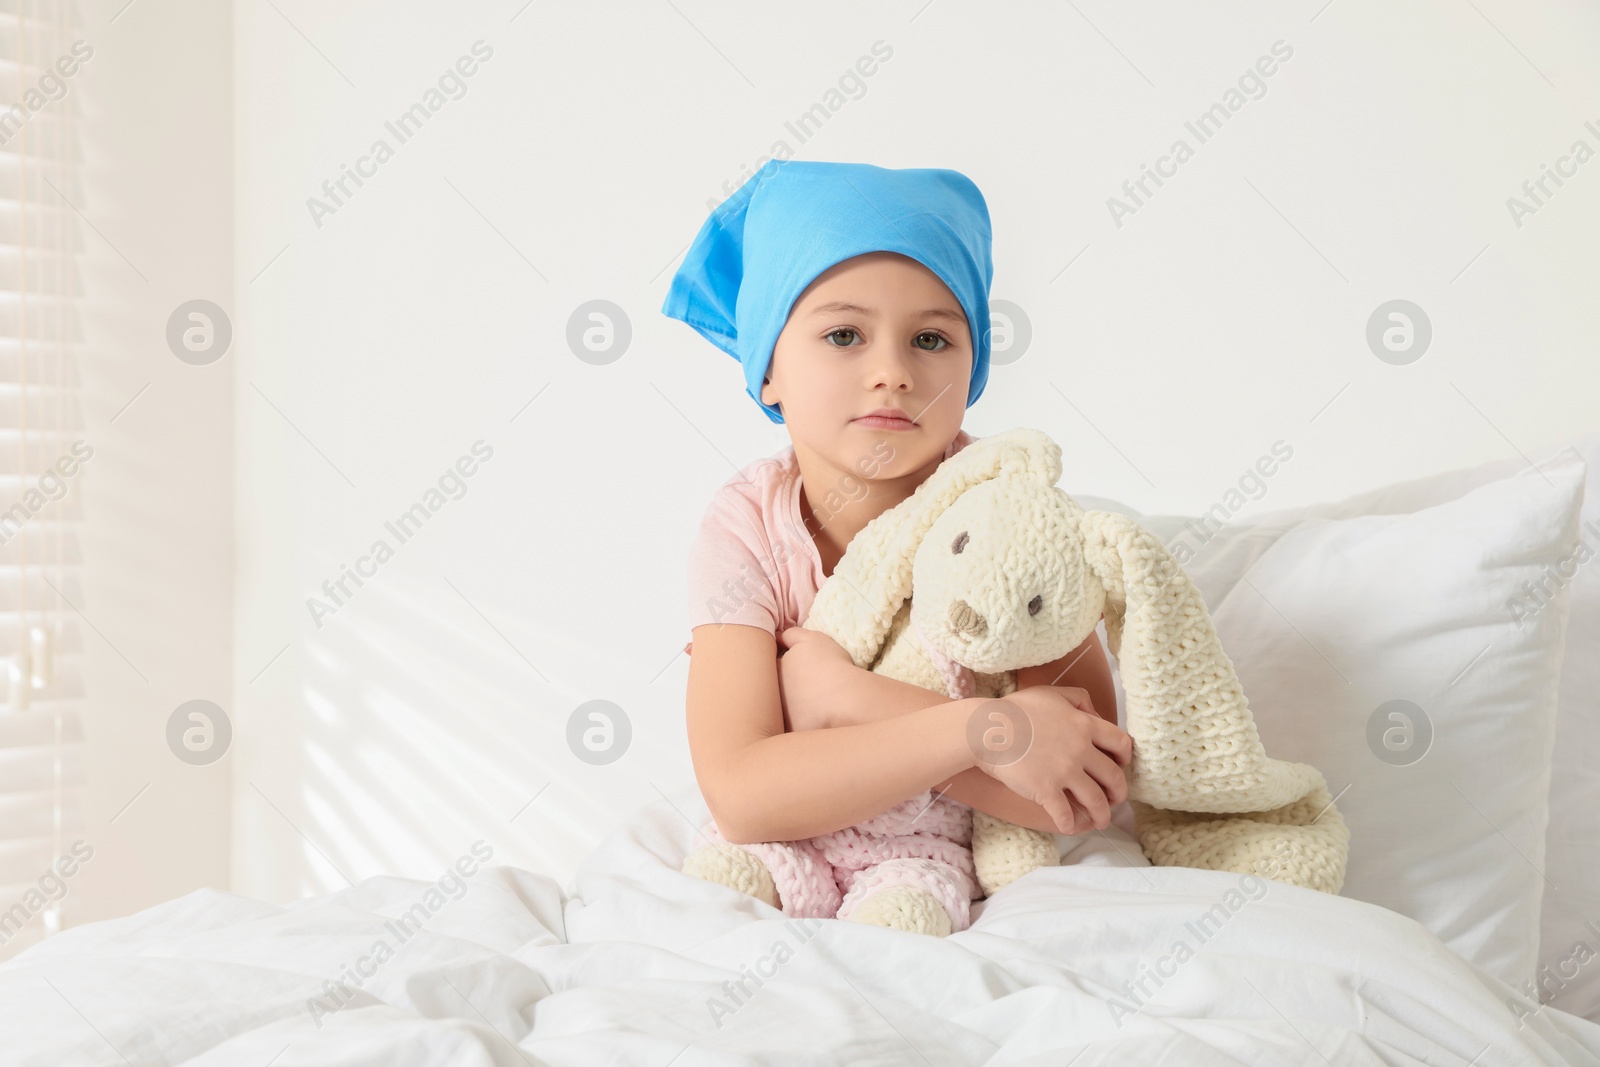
{"type": "Point", "coordinates": [763, 784]}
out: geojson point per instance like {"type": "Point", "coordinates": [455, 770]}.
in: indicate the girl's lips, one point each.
{"type": "Point", "coordinates": [878, 422]}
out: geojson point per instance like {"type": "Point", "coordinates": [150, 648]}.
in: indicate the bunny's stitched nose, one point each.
{"type": "Point", "coordinates": [964, 621]}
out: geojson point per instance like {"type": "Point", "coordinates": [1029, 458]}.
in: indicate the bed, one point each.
{"type": "Point", "coordinates": [1103, 960]}
{"type": "Point", "coordinates": [1460, 729]}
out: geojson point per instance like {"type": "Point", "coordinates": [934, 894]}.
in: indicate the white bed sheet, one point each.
{"type": "Point", "coordinates": [628, 966]}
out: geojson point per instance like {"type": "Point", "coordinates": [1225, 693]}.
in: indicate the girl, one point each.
{"type": "Point", "coordinates": [856, 298]}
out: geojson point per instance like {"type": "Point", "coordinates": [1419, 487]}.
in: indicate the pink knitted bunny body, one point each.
{"type": "Point", "coordinates": [924, 842]}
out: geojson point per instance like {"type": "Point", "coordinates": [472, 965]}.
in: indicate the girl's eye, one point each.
{"type": "Point", "coordinates": [1034, 605]}
{"type": "Point", "coordinates": [935, 336]}
{"type": "Point", "coordinates": [844, 330]}
{"type": "Point", "coordinates": [959, 543]}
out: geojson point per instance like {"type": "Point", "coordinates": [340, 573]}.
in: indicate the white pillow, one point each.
{"type": "Point", "coordinates": [1569, 926]}
{"type": "Point", "coordinates": [1327, 619]}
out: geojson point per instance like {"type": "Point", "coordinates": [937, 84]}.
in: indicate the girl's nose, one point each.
{"type": "Point", "coordinates": [891, 369]}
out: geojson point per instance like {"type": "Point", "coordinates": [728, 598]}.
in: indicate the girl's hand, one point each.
{"type": "Point", "coordinates": [1049, 751]}
{"type": "Point", "coordinates": [811, 668]}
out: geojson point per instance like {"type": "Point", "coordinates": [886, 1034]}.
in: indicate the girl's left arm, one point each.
{"type": "Point", "coordinates": [835, 692]}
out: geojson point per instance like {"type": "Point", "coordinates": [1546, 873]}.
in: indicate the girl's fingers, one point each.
{"type": "Point", "coordinates": [1061, 813]}
{"type": "Point", "coordinates": [1088, 793]}
{"type": "Point", "coordinates": [1104, 770]}
{"type": "Point", "coordinates": [1081, 822]}
{"type": "Point", "coordinates": [1114, 741]}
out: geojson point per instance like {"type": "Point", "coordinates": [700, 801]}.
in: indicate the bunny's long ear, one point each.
{"type": "Point", "coordinates": [1195, 742]}
{"type": "Point", "coordinates": [860, 599]}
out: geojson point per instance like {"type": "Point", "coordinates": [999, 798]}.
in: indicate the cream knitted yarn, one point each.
{"type": "Point", "coordinates": [1197, 755]}
{"type": "Point", "coordinates": [1008, 570]}
{"type": "Point", "coordinates": [729, 865]}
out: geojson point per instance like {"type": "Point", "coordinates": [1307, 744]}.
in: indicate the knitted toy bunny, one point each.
{"type": "Point", "coordinates": [1009, 571]}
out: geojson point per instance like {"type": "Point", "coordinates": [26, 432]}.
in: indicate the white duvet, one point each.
{"type": "Point", "coordinates": [1101, 961]}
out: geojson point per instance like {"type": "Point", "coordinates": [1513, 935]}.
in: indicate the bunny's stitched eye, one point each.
{"type": "Point", "coordinates": [1035, 604]}
{"type": "Point", "coordinates": [960, 543]}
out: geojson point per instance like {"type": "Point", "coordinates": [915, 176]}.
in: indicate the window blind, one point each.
{"type": "Point", "coordinates": [42, 450]}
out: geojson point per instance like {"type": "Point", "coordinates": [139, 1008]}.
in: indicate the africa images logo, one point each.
{"type": "Point", "coordinates": [404, 127]}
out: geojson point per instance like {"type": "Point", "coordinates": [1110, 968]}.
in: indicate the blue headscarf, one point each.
{"type": "Point", "coordinates": [793, 219]}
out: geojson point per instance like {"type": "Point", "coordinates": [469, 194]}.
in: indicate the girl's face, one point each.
{"type": "Point", "coordinates": [878, 330]}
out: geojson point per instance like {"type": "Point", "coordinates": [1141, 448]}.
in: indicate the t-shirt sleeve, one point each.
{"type": "Point", "coordinates": [727, 581]}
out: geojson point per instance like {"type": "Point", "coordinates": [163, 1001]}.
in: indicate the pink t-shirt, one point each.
{"type": "Point", "coordinates": [753, 561]}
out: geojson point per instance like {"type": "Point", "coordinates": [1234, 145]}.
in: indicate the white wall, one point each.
{"type": "Point", "coordinates": [1168, 354]}
{"type": "Point", "coordinates": [155, 132]}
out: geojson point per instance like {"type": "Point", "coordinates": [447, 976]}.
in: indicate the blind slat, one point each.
{"type": "Point", "coordinates": [42, 738]}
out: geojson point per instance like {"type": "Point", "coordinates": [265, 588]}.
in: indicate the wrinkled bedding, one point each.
{"type": "Point", "coordinates": [1103, 960]}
